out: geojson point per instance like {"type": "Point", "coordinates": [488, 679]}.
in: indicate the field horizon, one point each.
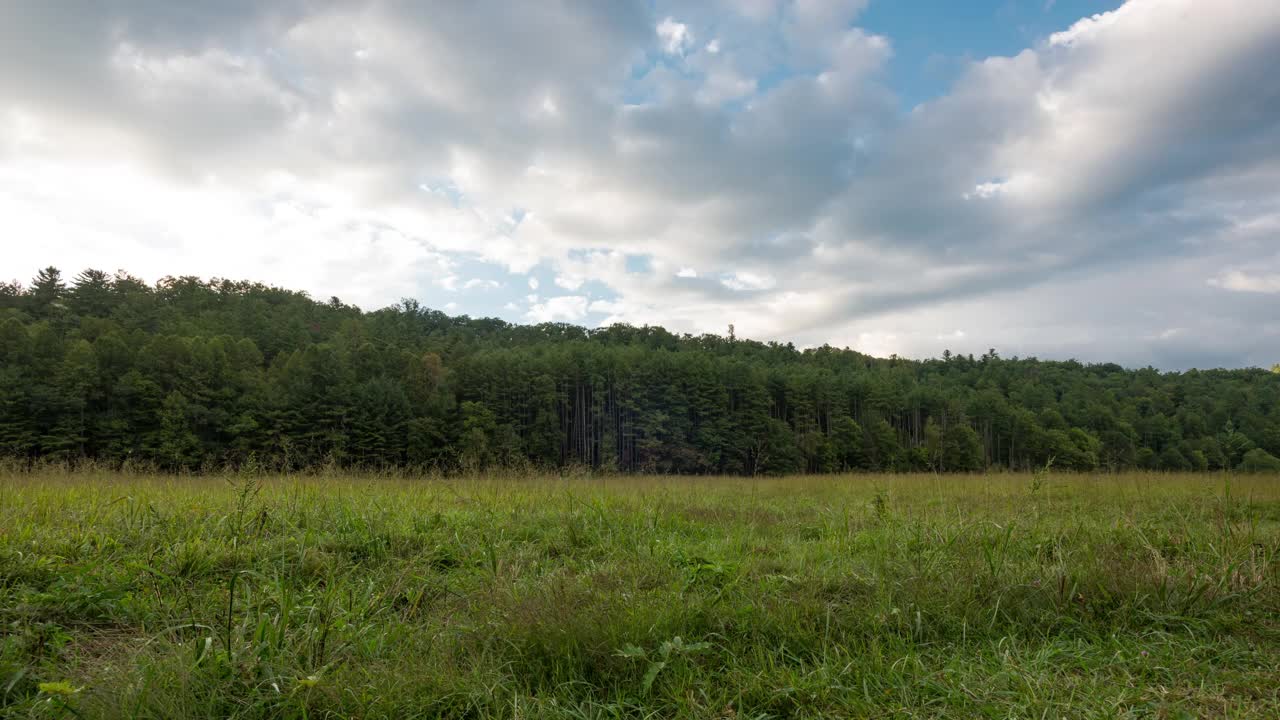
{"type": "Point", "coordinates": [999, 595]}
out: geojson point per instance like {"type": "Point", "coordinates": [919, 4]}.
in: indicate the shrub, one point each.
{"type": "Point", "coordinates": [1259, 460]}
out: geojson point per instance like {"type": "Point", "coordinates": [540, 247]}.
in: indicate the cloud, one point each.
{"type": "Point", "coordinates": [675, 37]}
{"type": "Point", "coordinates": [569, 282]}
{"type": "Point", "coordinates": [1074, 157]}
{"type": "Point", "coordinates": [1242, 281]}
{"type": "Point", "coordinates": [381, 149]}
{"type": "Point", "coordinates": [749, 281]}
{"type": "Point", "coordinates": [565, 308]}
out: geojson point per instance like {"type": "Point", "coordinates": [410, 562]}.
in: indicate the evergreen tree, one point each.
{"type": "Point", "coordinates": [961, 449]}
{"type": "Point", "coordinates": [46, 295]}
{"type": "Point", "coordinates": [91, 294]}
{"type": "Point", "coordinates": [193, 373]}
{"type": "Point", "coordinates": [177, 446]}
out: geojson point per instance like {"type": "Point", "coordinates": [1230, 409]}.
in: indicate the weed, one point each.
{"type": "Point", "coordinates": [880, 503]}
{"type": "Point", "coordinates": [1040, 477]}
{"type": "Point", "coordinates": [667, 653]}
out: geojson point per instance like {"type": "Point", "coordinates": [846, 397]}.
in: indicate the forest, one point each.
{"type": "Point", "coordinates": [193, 374]}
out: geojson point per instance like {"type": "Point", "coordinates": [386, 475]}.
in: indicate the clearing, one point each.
{"type": "Point", "coordinates": [1140, 595]}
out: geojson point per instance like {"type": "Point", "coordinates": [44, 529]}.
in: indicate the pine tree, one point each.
{"type": "Point", "coordinates": [91, 294]}
{"type": "Point", "coordinates": [47, 293]}
{"type": "Point", "coordinates": [198, 372]}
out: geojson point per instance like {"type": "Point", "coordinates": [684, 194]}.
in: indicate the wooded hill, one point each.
{"type": "Point", "coordinates": [193, 374]}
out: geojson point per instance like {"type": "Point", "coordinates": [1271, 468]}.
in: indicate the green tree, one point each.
{"type": "Point", "coordinates": [882, 446]}
{"type": "Point", "coordinates": [1172, 459]}
{"type": "Point", "coordinates": [1147, 459]}
{"type": "Point", "coordinates": [961, 448]}
{"type": "Point", "coordinates": [11, 297]}
{"type": "Point", "coordinates": [75, 382]}
{"type": "Point", "coordinates": [1116, 450]}
{"type": "Point", "coordinates": [91, 294]}
{"type": "Point", "coordinates": [177, 446]}
{"type": "Point", "coordinates": [475, 445]}
{"type": "Point", "coordinates": [1235, 445]}
{"type": "Point", "coordinates": [47, 293]}
{"type": "Point", "coordinates": [1259, 460]}
{"type": "Point", "coordinates": [848, 445]}
{"type": "Point", "coordinates": [378, 427]}
{"type": "Point", "coordinates": [197, 372]}
{"type": "Point", "coordinates": [17, 434]}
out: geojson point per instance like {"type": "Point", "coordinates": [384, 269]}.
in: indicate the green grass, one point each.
{"type": "Point", "coordinates": [856, 596]}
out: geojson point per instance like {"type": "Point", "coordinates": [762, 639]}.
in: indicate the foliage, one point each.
{"type": "Point", "coordinates": [668, 652]}
{"type": "Point", "coordinates": [193, 375]}
{"type": "Point", "coordinates": [1259, 460]}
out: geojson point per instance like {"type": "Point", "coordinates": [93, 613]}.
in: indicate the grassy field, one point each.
{"type": "Point", "coordinates": [855, 596]}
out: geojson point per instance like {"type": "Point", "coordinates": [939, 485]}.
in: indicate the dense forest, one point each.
{"type": "Point", "coordinates": [193, 374]}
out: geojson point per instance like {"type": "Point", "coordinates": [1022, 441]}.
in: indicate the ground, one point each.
{"type": "Point", "coordinates": [998, 595]}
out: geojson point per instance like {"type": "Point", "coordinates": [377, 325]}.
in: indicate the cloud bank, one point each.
{"type": "Point", "coordinates": [1107, 193]}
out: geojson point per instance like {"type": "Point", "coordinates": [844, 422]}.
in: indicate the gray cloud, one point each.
{"type": "Point", "coordinates": [1108, 191]}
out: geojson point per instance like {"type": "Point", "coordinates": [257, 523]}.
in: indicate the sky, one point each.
{"type": "Point", "coordinates": [1089, 179]}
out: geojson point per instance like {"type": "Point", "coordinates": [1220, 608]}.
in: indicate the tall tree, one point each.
{"type": "Point", "coordinates": [193, 373]}
{"type": "Point", "coordinates": [91, 294]}
{"type": "Point", "coordinates": [46, 295]}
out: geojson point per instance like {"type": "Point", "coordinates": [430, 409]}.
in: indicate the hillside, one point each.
{"type": "Point", "coordinates": [193, 374]}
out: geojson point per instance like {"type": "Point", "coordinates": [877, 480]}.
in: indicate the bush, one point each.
{"type": "Point", "coordinates": [1259, 460]}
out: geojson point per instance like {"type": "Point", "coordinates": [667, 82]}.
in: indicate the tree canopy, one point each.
{"type": "Point", "coordinates": [192, 373]}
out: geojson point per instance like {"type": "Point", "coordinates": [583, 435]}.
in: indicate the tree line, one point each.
{"type": "Point", "coordinates": [194, 374]}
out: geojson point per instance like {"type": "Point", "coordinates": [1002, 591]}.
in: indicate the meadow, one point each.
{"type": "Point", "coordinates": [1003, 595]}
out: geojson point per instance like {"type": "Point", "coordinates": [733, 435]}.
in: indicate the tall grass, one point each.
{"type": "Point", "coordinates": [493, 597]}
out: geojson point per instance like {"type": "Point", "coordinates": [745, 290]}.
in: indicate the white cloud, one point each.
{"type": "Point", "coordinates": [569, 282]}
{"type": "Point", "coordinates": [746, 280]}
{"type": "Point", "coordinates": [724, 84]}
{"type": "Point", "coordinates": [1242, 281]}
{"type": "Point", "coordinates": [1088, 28]}
{"type": "Point", "coordinates": [986, 190]}
{"type": "Point", "coordinates": [362, 150]}
{"type": "Point", "coordinates": [675, 36]}
{"type": "Point", "coordinates": [565, 308]}
{"type": "Point", "coordinates": [879, 343]}
{"type": "Point", "coordinates": [124, 217]}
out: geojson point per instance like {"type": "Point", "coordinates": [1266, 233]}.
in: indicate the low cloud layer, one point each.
{"type": "Point", "coordinates": [1107, 194]}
